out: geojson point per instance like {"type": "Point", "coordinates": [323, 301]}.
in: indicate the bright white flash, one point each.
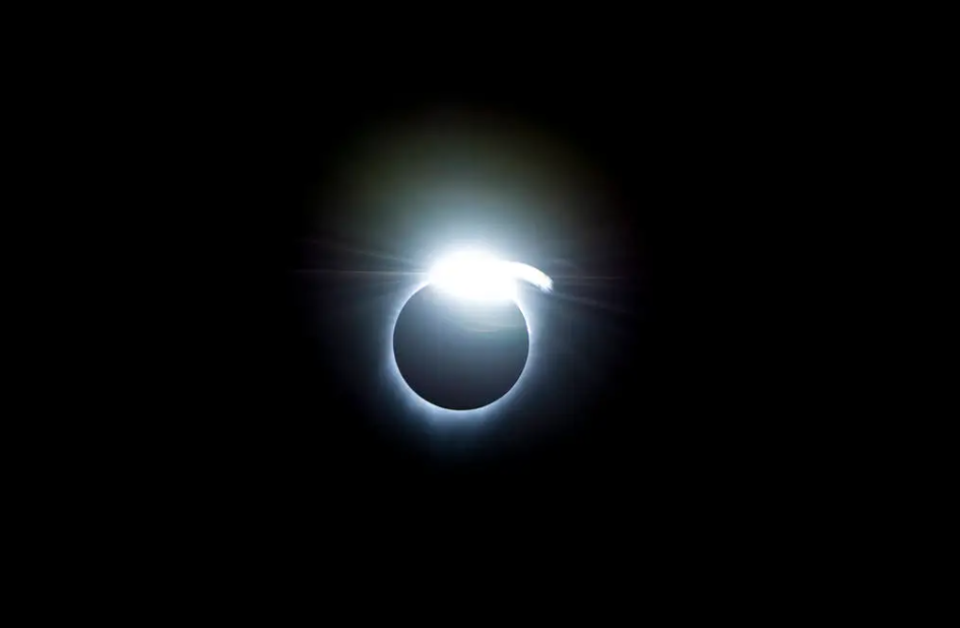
{"type": "Point", "coordinates": [478, 276]}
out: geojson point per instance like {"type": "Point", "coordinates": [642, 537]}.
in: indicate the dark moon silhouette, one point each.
{"type": "Point", "coordinates": [459, 354]}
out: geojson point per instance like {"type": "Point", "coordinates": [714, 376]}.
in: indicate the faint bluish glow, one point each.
{"type": "Point", "coordinates": [471, 275]}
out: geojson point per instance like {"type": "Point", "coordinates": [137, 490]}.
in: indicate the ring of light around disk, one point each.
{"type": "Point", "coordinates": [478, 276]}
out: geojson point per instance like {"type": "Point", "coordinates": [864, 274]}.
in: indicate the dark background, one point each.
{"type": "Point", "coordinates": [683, 424]}
{"type": "Point", "coordinates": [678, 396]}
{"type": "Point", "coordinates": [687, 420]}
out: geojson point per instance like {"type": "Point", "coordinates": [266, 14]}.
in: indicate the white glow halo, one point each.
{"type": "Point", "coordinates": [478, 276]}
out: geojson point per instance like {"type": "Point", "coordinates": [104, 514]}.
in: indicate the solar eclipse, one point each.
{"type": "Point", "coordinates": [461, 341]}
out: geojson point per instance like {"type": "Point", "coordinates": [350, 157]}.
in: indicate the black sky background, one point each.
{"type": "Point", "coordinates": [259, 410]}
{"type": "Point", "coordinates": [231, 425]}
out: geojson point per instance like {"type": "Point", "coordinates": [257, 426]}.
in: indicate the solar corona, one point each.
{"type": "Point", "coordinates": [462, 341]}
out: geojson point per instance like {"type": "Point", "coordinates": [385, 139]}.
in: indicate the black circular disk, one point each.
{"type": "Point", "coordinates": [460, 354]}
